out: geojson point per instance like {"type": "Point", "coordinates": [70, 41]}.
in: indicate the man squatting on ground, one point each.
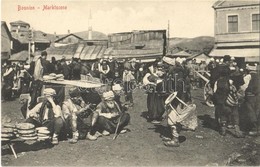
{"type": "Point", "coordinates": [107, 115]}
{"type": "Point", "coordinates": [47, 114]}
{"type": "Point", "coordinates": [71, 108]}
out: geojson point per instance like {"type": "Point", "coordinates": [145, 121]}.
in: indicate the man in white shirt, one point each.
{"type": "Point", "coordinates": [47, 114]}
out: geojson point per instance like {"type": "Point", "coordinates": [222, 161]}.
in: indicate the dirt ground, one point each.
{"type": "Point", "coordinates": [142, 146]}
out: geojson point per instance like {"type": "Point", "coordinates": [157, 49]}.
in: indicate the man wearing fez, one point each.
{"type": "Point", "coordinates": [47, 114]}
{"type": "Point", "coordinates": [108, 115]}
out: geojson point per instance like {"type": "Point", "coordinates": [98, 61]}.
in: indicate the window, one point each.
{"type": "Point", "coordinates": [255, 22]}
{"type": "Point", "coordinates": [233, 23]}
{"type": "Point", "coordinates": [69, 40]}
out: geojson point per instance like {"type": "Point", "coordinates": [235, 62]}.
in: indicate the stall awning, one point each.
{"type": "Point", "coordinates": [250, 53]}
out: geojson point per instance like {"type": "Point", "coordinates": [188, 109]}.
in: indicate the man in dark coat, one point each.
{"type": "Point", "coordinates": [37, 69]}
{"type": "Point", "coordinates": [225, 98]}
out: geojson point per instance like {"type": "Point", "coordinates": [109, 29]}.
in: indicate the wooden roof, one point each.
{"type": "Point", "coordinates": [20, 56]}
{"type": "Point", "coordinates": [85, 50]}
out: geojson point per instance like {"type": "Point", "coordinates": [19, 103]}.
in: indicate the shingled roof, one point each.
{"type": "Point", "coordinates": [180, 54]}
{"type": "Point", "coordinates": [68, 36]}
{"type": "Point", "coordinates": [38, 36]}
{"type": "Point", "coordinates": [20, 56]}
{"type": "Point", "coordinates": [19, 22]}
{"type": "Point", "coordinates": [85, 50]}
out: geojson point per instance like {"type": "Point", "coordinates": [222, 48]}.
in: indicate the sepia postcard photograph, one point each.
{"type": "Point", "coordinates": [130, 83]}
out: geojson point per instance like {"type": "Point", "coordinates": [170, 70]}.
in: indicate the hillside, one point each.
{"type": "Point", "coordinates": [83, 34]}
{"type": "Point", "coordinates": [193, 45]}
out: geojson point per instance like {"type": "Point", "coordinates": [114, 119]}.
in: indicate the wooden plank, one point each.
{"type": "Point", "coordinates": [202, 77]}
{"type": "Point", "coordinates": [79, 83]}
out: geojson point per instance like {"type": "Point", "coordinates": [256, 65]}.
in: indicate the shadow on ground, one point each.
{"type": "Point", "coordinates": [25, 147]}
{"type": "Point", "coordinates": [208, 122]}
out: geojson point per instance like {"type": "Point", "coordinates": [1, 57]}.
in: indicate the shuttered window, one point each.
{"type": "Point", "coordinates": [255, 22]}
{"type": "Point", "coordinates": [233, 23]}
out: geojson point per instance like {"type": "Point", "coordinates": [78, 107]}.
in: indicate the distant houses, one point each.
{"type": "Point", "coordinates": [6, 42]}
{"type": "Point", "coordinates": [237, 28]}
{"type": "Point", "coordinates": [22, 35]}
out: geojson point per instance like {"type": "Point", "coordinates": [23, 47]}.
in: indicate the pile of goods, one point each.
{"type": "Point", "coordinates": [53, 76]}
{"type": "Point", "coordinates": [8, 132]}
{"type": "Point", "coordinates": [43, 133]}
{"type": "Point", "coordinates": [26, 131]}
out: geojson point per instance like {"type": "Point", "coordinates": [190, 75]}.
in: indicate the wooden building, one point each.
{"type": "Point", "coordinates": [6, 42]}
{"type": "Point", "coordinates": [21, 33]}
{"type": "Point", "coordinates": [143, 44]}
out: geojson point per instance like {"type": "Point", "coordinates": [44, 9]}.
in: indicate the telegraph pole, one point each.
{"type": "Point", "coordinates": [30, 35]}
{"type": "Point", "coordinates": [168, 47]}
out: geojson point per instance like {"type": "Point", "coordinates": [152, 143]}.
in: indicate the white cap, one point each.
{"type": "Point", "coordinates": [49, 92]}
{"type": "Point", "coordinates": [108, 95]}
{"type": "Point", "coordinates": [178, 59]}
{"type": "Point", "coordinates": [232, 68]}
{"type": "Point", "coordinates": [116, 87]}
{"type": "Point", "coordinates": [217, 60]}
{"type": "Point", "coordinates": [211, 59]}
{"type": "Point", "coordinates": [232, 58]}
{"type": "Point", "coordinates": [26, 67]}
{"type": "Point", "coordinates": [221, 60]}
{"type": "Point", "coordinates": [198, 61]}
{"type": "Point", "coordinates": [133, 60]}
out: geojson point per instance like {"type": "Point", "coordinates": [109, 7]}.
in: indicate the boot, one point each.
{"type": "Point", "coordinates": [55, 140]}
{"type": "Point", "coordinates": [75, 137]}
{"type": "Point", "coordinates": [238, 132]}
{"type": "Point", "coordinates": [172, 143]}
{"type": "Point", "coordinates": [223, 130]}
{"type": "Point", "coordinates": [91, 137]}
{"type": "Point", "coordinates": [253, 131]}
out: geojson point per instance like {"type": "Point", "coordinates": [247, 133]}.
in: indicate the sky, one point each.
{"type": "Point", "coordinates": [187, 18]}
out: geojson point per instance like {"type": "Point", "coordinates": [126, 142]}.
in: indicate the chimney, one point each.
{"type": "Point", "coordinates": [89, 33]}
{"type": "Point", "coordinates": [68, 31]}
{"type": "Point", "coordinates": [90, 26]}
{"type": "Point", "coordinates": [55, 33]}
{"type": "Point", "coordinates": [18, 29]}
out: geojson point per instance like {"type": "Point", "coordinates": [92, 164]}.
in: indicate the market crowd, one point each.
{"type": "Point", "coordinates": [92, 113]}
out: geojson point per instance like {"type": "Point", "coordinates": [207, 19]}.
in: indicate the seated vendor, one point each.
{"type": "Point", "coordinates": [47, 114]}
{"type": "Point", "coordinates": [77, 114]}
{"type": "Point", "coordinates": [108, 114]}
